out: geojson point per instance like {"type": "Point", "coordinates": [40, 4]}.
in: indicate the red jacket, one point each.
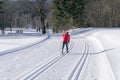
{"type": "Point", "coordinates": [66, 37]}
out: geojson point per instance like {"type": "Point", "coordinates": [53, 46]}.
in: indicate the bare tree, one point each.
{"type": "Point", "coordinates": [102, 13]}
{"type": "Point", "coordinates": [39, 9]}
{"type": "Point", "coordinates": [10, 13]}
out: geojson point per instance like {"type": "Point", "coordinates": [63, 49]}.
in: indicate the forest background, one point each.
{"type": "Point", "coordinates": [59, 15]}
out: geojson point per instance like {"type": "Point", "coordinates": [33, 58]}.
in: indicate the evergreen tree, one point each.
{"type": "Point", "coordinates": [68, 11]}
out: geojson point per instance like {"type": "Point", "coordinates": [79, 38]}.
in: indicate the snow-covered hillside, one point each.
{"type": "Point", "coordinates": [93, 55]}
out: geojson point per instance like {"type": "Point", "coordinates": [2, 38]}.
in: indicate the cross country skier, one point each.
{"type": "Point", "coordinates": [66, 40]}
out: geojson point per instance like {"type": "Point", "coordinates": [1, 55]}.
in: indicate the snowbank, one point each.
{"type": "Point", "coordinates": [110, 40]}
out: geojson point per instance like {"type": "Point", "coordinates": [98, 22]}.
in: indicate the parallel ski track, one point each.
{"type": "Point", "coordinates": [40, 70]}
{"type": "Point", "coordinates": [78, 68]}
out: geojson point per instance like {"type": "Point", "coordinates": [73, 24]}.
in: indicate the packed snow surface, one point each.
{"type": "Point", "coordinates": [93, 55]}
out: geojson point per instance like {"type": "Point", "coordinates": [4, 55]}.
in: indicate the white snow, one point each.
{"type": "Point", "coordinates": [110, 39]}
{"type": "Point", "coordinates": [94, 55]}
{"type": "Point", "coordinates": [7, 43]}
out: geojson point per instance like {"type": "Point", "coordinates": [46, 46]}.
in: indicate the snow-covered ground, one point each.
{"type": "Point", "coordinates": [8, 43]}
{"type": "Point", "coordinates": [110, 40]}
{"type": "Point", "coordinates": [93, 55]}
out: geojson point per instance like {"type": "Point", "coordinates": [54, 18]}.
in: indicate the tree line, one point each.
{"type": "Point", "coordinates": [86, 13]}
{"type": "Point", "coordinates": [59, 15]}
{"type": "Point", "coordinates": [102, 13]}
{"type": "Point", "coordinates": [21, 13]}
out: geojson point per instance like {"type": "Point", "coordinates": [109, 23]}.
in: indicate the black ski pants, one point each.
{"type": "Point", "coordinates": [65, 43]}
